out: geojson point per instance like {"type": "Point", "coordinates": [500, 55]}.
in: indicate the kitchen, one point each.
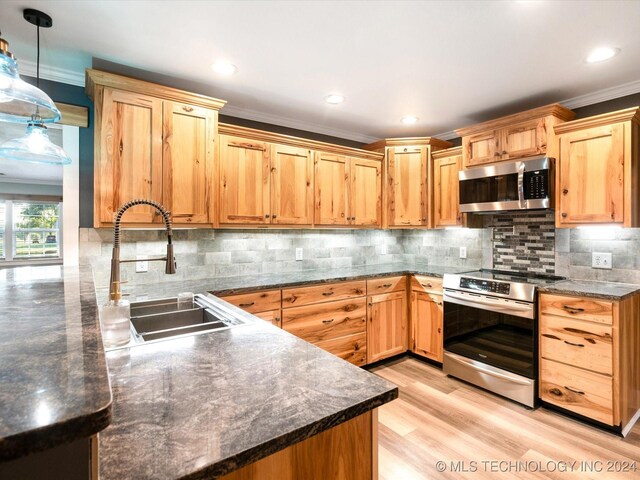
{"type": "Point", "coordinates": [314, 284]}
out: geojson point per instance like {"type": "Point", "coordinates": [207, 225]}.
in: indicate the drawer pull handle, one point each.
{"type": "Point", "coordinates": [247, 304]}
{"type": "Point", "coordinates": [571, 309]}
{"type": "Point", "coordinates": [427, 285]}
{"type": "Point", "coordinates": [326, 322]}
{"type": "Point", "coordinates": [328, 294]}
{"type": "Point", "coordinates": [579, 392]}
{"type": "Point", "coordinates": [556, 391]}
{"type": "Point", "coordinates": [574, 344]}
{"type": "Point", "coordinates": [386, 285]}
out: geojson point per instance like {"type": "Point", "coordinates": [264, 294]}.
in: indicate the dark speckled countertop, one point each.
{"type": "Point", "coordinates": [205, 405]}
{"type": "Point", "coordinates": [593, 289]}
{"type": "Point", "coordinates": [54, 386]}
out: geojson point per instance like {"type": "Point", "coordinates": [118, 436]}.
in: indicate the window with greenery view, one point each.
{"type": "Point", "coordinates": [36, 230]}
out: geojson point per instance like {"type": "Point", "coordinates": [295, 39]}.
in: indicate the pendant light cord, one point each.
{"type": "Point", "coordinates": [38, 60]}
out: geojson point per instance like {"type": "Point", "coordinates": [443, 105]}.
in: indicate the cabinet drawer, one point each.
{"type": "Point", "coordinates": [298, 296]}
{"type": "Point", "coordinates": [316, 323]}
{"type": "Point", "coordinates": [386, 285]}
{"type": "Point", "coordinates": [579, 308]}
{"type": "Point", "coordinates": [352, 348]}
{"type": "Point", "coordinates": [257, 301]}
{"type": "Point", "coordinates": [272, 316]}
{"type": "Point", "coordinates": [582, 344]}
{"type": "Point", "coordinates": [422, 283]}
{"type": "Point", "coordinates": [583, 392]}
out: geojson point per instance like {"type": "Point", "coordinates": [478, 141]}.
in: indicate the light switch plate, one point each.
{"type": "Point", "coordinates": [601, 260]}
{"type": "Point", "coordinates": [463, 252]}
{"type": "Point", "coordinates": [298, 254]}
{"type": "Point", "coordinates": [143, 266]}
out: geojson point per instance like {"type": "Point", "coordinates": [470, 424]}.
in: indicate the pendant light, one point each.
{"type": "Point", "coordinates": [18, 99]}
{"type": "Point", "coordinates": [35, 146]}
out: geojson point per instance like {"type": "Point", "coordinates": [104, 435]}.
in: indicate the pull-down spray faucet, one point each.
{"type": "Point", "coordinates": [114, 281]}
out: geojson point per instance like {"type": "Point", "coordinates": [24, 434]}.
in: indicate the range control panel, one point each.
{"type": "Point", "coordinates": [536, 184]}
{"type": "Point", "coordinates": [488, 286]}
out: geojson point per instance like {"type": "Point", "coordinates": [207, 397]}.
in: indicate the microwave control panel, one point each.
{"type": "Point", "coordinates": [536, 184]}
{"type": "Point", "coordinates": [488, 286]}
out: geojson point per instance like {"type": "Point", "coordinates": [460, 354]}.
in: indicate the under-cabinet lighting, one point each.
{"type": "Point", "coordinates": [601, 54]}
{"type": "Point", "coordinates": [600, 232]}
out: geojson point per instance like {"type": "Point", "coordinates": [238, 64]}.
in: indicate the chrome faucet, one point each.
{"type": "Point", "coordinates": [114, 281]}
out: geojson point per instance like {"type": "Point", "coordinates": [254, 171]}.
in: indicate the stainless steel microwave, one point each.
{"type": "Point", "coordinates": [515, 185]}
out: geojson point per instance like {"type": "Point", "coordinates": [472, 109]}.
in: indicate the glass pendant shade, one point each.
{"type": "Point", "coordinates": [34, 147]}
{"type": "Point", "coordinates": [20, 100]}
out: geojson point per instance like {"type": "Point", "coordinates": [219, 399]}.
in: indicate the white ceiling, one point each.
{"type": "Point", "coordinates": [451, 63]}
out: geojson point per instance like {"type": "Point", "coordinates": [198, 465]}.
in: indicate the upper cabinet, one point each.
{"type": "Point", "coordinates": [524, 134]}
{"type": "Point", "coordinates": [407, 185]}
{"type": "Point", "coordinates": [271, 179]}
{"type": "Point", "coordinates": [597, 171]}
{"type": "Point", "coordinates": [446, 203]}
{"type": "Point", "coordinates": [152, 142]}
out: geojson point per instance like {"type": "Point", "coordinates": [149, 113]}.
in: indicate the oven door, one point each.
{"type": "Point", "coordinates": [491, 330]}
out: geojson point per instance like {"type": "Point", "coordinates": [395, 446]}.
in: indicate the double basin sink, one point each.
{"type": "Point", "coordinates": [163, 319]}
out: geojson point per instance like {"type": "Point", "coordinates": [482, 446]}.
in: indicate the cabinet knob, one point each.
{"type": "Point", "coordinates": [497, 154]}
{"type": "Point", "coordinates": [565, 191]}
{"type": "Point", "coordinates": [187, 108]}
{"type": "Point", "coordinates": [266, 215]}
{"type": "Point", "coordinates": [564, 215]}
{"type": "Point", "coordinates": [405, 149]}
{"type": "Point", "coordinates": [504, 152]}
{"type": "Point", "coordinates": [273, 216]}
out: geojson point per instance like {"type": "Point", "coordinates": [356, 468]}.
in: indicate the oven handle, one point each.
{"type": "Point", "coordinates": [501, 376]}
{"type": "Point", "coordinates": [484, 302]}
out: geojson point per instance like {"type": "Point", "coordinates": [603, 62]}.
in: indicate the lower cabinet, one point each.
{"type": "Point", "coordinates": [387, 329]}
{"type": "Point", "coordinates": [273, 316]}
{"type": "Point", "coordinates": [426, 325]}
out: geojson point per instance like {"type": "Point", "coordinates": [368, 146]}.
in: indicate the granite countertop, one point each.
{"type": "Point", "coordinates": [205, 405]}
{"type": "Point", "coordinates": [248, 283]}
{"type": "Point", "coordinates": [54, 385]}
{"type": "Point", "coordinates": [593, 289]}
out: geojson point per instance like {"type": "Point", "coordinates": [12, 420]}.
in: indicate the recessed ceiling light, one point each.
{"type": "Point", "coordinates": [601, 54]}
{"type": "Point", "coordinates": [409, 120]}
{"type": "Point", "coordinates": [334, 99]}
{"type": "Point", "coordinates": [224, 68]}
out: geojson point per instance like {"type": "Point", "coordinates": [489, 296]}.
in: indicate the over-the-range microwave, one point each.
{"type": "Point", "coordinates": [513, 185]}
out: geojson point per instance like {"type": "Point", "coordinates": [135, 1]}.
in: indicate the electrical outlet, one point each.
{"type": "Point", "coordinates": [601, 260]}
{"type": "Point", "coordinates": [384, 249]}
{"type": "Point", "coordinates": [143, 266]}
{"type": "Point", "coordinates": [298, 254]}
{"type": "Point", "coordinates": [463, 252]}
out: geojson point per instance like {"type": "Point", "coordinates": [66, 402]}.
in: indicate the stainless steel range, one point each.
{"type": "Point", "coordinates": [491, 331]}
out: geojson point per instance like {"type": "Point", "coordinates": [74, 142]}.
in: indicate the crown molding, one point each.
{"type": "Point", "coordinates": [256, 116]}
{"type": "Point", "coordinates": [602, 95]}
{"type": "Point", "coordinates": [450, 135]}
{"type": "Point", "coordinates": [47, 72]}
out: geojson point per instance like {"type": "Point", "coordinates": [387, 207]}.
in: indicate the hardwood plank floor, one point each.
{"type": "Point", "coordinates": [440, 419]}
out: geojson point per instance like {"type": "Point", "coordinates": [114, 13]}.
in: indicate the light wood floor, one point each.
{"type": "Point", "coordinates": [437, 418]}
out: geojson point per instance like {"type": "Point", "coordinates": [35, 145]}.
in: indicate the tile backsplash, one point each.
{"type": "Point", "coordinates": [517, 242]}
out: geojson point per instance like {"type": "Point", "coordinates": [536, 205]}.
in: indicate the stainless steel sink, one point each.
{"type": "Point", "coordinates": [155, 320]}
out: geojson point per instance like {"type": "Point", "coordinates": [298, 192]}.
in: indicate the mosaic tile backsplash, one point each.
{"type": "Point", "coordinates": [523, 242]}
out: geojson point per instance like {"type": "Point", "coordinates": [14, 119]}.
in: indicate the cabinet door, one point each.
{"type": "Point", "coordinates": [244, 181]}
{"type": "Point", "coordinates": [592, 176]}
{"type": "Point", "coordinates": [332, 189]}
{"type": "Point", "coordinates": [407, 186]}
{"type": "Point", "coordinates": [187, 162]}
{"type": "Point", "coordinates": [387, 326]}
{"type": "Point", "coordinates": [366, 192]}
{"type": "Point", "coordinates": [523, 140]}
{"type": "Point", "coordinates": [426, 320]}
{"type": "Point", "coordinates": [480, 148]}
{"type": "Point", "coordinates": [272, 316]}
{"type": "Point", "coordinates": [446, 202]}
{"type": "Point", "coordinates": [130, 159]}
{"type": "Point", "coordinates": [291, 186]}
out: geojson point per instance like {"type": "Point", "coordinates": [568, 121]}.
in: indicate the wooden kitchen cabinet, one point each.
{"type": "Point", "coordinates": [245, 181]}
{"type": "Point", "coordinates": [292, 185]}
{"type": "Point", "coordinates": [523, 134]}
{"type": "Point", "coordinates": [365, 192]}
{"type": "Point", "coordinates": [446, 199]}
{"type": "Point", "coordinates": [407, 178]}
{"type": "Point", "coordinates": [426, 323]}
{"type": "Point", "coordinates": [152, 142]}
{"type": "Point", "coordinates": [590, 357]}
{"type": "Point", "coordinates": [387, 326]}
{"type": "Point", "coordinates": [597, 172]}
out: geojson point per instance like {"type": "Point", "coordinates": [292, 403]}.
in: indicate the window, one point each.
{"type": "Point", "coordinates": [30, 230]}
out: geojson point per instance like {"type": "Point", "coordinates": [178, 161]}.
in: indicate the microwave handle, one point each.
{"type": "Point", "coordinates": [521, 201]}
